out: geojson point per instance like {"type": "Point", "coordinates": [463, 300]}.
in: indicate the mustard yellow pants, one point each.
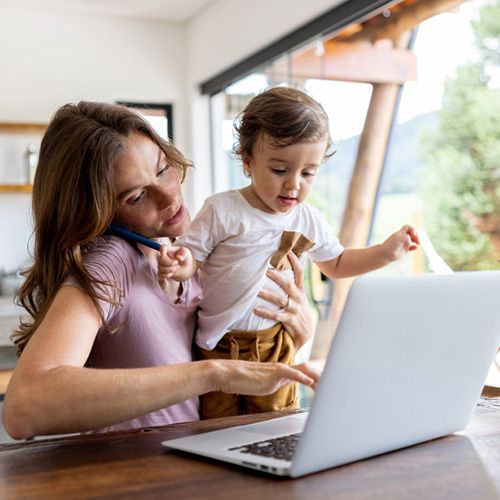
{"type": "Point", "coordinates": [271, 345]}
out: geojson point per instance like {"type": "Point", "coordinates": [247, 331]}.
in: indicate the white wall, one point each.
{"type": "Point", "coordinates": [48, 58]}
{"type": "Point", "coordinates": [229, 30]}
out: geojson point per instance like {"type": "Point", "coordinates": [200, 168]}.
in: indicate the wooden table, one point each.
{"type": "Point", "coordinates": [133, 464]}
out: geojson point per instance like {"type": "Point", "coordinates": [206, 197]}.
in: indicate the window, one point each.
{"type": "Point", "coordinates": [429, 173]}
{"type": "Point", "coordinates": [158, 115]}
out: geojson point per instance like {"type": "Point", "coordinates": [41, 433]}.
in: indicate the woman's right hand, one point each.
{"type": "Point", "coordinates": [295, 314]}
{"type": "Point", "coordinates": [258, 379]}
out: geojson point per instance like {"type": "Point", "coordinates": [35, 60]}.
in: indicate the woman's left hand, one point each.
{"type": "Point", "coordinates": [295, 314]}
{"type": "Point", "coordinates": [313, 369]}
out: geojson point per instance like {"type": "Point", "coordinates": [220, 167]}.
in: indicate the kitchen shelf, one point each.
{"type": "Point", "coordinates": [16, 188]}
{"type": "Point", "coordinates": [16, 134]}
{"type": "Point", "coordinates": [22, 128]}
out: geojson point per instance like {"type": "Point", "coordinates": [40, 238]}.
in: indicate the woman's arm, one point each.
{"type": "Point", "coordinates": [52, 392]}
{"type": "Point", "coordinates": [295, 314]}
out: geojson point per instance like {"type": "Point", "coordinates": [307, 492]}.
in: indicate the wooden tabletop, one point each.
{"type": "Point", "coordinates": [133, 464]}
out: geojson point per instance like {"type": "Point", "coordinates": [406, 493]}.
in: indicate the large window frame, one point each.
{"type": "Point", "coordinates": [165, 108]}
{"type": "Point", "coordinates": [349, 12]}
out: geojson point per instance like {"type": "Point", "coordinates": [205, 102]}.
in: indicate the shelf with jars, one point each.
{"type": "Point", "coordinates": [19, 146]}
{"type": "Point", "coordinates": [15, 188]}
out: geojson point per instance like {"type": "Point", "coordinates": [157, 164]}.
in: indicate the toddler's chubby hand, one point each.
{"type": "Point", "coordinates": [172, 261]}
{"type": "Point", "coordinates": [402, 241]}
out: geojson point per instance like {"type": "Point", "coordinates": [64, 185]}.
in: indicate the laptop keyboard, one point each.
{"type": "Point", "coordinates": [281, 448]}
{"type": "Point", "coordinates": [487, 405]}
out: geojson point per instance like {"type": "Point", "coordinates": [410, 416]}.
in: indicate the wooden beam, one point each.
{"type": "Point", "coordinates": [364, 182]}
{"type": "Point", "coordinates": [356, 62]}
{"type": "Point", "coordinates": [356, 221]}
{"type": "Point", "coordinates": [407, 16]}
{"type": "Point", "coordinates": [5, 376]}
{"type": "Point", "coordinates": [23, 128]}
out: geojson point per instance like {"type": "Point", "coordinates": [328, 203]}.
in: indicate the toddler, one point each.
{"type": "Point", "coordinates": [283, 139]}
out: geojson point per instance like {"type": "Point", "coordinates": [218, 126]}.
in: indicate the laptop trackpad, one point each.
{"type": "Point", "coordinates": [278, 426]}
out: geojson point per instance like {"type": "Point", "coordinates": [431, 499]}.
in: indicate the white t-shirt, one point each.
{"type": "Point", "coordinates": [236, 241]}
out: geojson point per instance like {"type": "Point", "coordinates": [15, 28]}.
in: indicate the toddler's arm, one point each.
{"type": "Point", "coordinates": [175, 263]}
{"type": "Point", "coordinates": [356, 261]}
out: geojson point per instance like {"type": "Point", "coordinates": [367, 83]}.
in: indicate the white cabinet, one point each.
{"type": "Point", "coordinates": [9, 319]}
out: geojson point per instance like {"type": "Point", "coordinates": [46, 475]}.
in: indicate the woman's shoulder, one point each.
{"type": "Point", "coordinates": [111, 246]}
{"type": "Point", "coordinates": [112, 254]}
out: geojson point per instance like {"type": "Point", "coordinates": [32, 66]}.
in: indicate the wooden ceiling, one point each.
{"type": "Point", "coordinates": [391, 23]}
{"type": "Point", "coordinates": [374, 51]}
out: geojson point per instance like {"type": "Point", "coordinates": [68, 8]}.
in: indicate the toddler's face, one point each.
{"type": "Point", "coordinates": [282, 177]}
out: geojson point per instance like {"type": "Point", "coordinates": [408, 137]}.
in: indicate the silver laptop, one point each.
{"type": "Point", "coordinates": [407, 365]}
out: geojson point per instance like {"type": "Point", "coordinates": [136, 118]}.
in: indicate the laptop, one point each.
{"type": "Point", "coordinates": [407, 365]}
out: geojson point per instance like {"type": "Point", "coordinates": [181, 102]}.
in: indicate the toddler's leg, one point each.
{"type": "Point", "coordinates": [271, 345]}
{"type": "Point", "coordinates": [218, 404]}
{"type": "Point", "coordinates": [285, 398]}
{"type": "Point", "coordinates": [278, 349]}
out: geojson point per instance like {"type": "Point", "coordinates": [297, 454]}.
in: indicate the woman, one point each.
{"type": "Point", "coordinates": [107, 348]}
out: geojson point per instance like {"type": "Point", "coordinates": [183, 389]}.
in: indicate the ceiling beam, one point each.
{"type": "Point", "coordinates": [352, 62]}
{"type": "Point", "coordinates": [406, 16]}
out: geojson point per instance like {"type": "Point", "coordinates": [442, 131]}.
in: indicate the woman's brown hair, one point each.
{"type": "Point", "coordinates": [74, 199]}
{"type": "Point", "coordinates": [285, 116]}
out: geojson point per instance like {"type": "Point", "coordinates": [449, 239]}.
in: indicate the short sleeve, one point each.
{"type": "Point", "coordinates": [112, 263]}
{"type": "Point", "coordinates": [327, 245]}
{"type": "Point", "coordinates": [205, 231]}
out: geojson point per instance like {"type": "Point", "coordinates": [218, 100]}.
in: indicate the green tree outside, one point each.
{"type": "Point", "coordinates": [461, 181]}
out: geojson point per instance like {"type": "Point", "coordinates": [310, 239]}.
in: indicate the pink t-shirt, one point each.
{"type": "Point", "coordinates": [148, 328]}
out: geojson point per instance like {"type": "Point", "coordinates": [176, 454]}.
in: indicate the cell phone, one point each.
{"type": "Point", "coordinates": [131, 236]}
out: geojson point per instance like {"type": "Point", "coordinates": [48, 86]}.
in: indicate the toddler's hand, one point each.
{"type": "Point", "coordinates": [172, 261]}
{"type": "Point", "coordinates": [403, 241]}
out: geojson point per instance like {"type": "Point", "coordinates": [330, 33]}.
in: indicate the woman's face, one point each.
{"type": "Point", "coordinates": [149, 191]}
